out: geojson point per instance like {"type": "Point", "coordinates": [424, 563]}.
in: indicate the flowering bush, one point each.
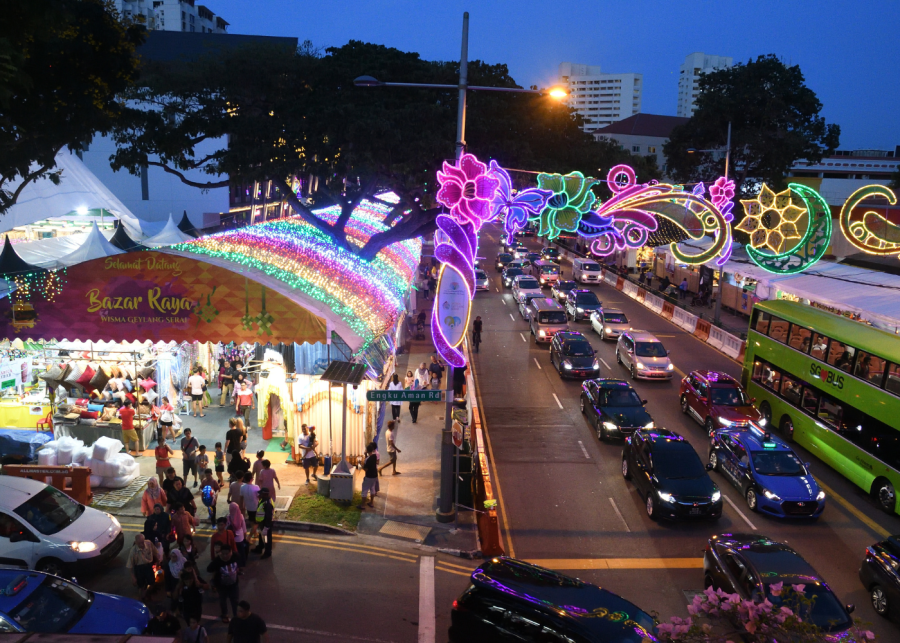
{"type": "Point", "coordinates": [720, 617]}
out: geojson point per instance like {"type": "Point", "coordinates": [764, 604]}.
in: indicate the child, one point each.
{"type": "Point", "coordinates": [202, 459]}
{"type": "Point", "coordinates": [219, 460]}
{"type": "Point", "coordinates": [211, 497]}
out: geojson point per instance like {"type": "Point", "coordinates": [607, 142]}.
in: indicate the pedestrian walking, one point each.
{"type": "Point", "coordinates": [238, 526]}
{"type": "Point", "coordinates": [189, 592]}
{"type": "Point", "coordinates": [477, 325]}
{"type": "Point", "coordinates": [197, 386]}
{"type": "Point", "coordinates": [163, 623]}
{"type": "Point", "coordinates": [234, 493]}
{"type": "Point", "coordinates": [153, 495]}
{"type": "Point", "coordinates": [413, 405]}
{"type": "Point", "coordinates": [227, 383]}
{"type": "Point", "coordinates": [209, 493]}
{"type": "Point", "coordinates": [224, 537]}
{"type": "Point", "coordinates": [194, 632]}
{"type": "Point", "coordinates": [257, 466]}
{"type": "Point", "coordinates": [232, 445]}
{"type": "Point", "coordinates": [219, 462]}
{"type": "Point", "coordinates": [184, 522]}
{"type": "Point", "coordinates": [168, 484]}
{"type": "Point", "coordinates": [166, 419]}
{"type": "Point", "coordinates": [180, 494]}
{"type": "Point", "coordinates": [189, 448]}
{"type": "Point", "coordinates": [268, 478]}
{"type": "Point", "coordinates": [308, 455]}
{"type": "Point", "coordinates": [173, 568]}
{"type": "Point", "coordinates": [265, 515]}
{"type": "Point", "coordinates": [409, 380]}
{"type": "Point", "coordinates": [422, 376]}
{"type": "Point", "coordinates": [370, 482]}
{"type": "Point", "coordinates": [436, 370]}
{"type": "Point", "coordinates": [158, 526]}
{"type": "Point", "coordinates": [141, 559]}
{"type": "Point", "coordinates": [129, 435]}
{"type": "Point", "coordinates": [459, 381]}
{"type": "Point", "coordinates": [250, 498]}
{"type": "Point", "coordinates": [244, 402]}
{"type": "Point", "coordinates": [225, 579]}
{"type": "Point", "coordinates": [247, 627]}
{"type": "Point", "coordinates": [391, 439]}
{"type": "Point", "coordinates": [162, 453]}
{"type": "Point", "coordinates": [683, 288]}
{"type": "Point", "coordinates": [395, 385]}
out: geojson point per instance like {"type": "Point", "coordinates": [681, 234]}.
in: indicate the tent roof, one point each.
{"type": "Point", "coordinates": [168, 236]}
{"type": "Point", "coordinates": [78, 188]}
{"type": "Point", "coordinates": [187, 227]}
{"type": "Point", "coordinates": [95, 245]}
{"type": "Point", "coordinates": [122, 241]}
{"type": "Point", "coordinates": [10, 261]}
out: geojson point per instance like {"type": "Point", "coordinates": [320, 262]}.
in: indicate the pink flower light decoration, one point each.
{"type": "Point", "coordinates": [721, 191]}
{"type": "Point", "coordinates": [467, 189]}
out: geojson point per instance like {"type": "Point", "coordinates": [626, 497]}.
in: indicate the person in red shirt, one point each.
{"type": "Point", "coordinates": [223, 536]}
{"type": "Point", "coordinates": [129, 435]}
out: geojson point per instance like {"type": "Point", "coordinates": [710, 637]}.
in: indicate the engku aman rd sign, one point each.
{"type": "Point", "coordinates": [403, 396]}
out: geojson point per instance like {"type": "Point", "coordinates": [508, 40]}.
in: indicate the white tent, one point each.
{"type": "Point", "coordinates": [96, 245]}
{"type": "Point", "coordinates": [78, 189]}
{"type": "Point", "coordinates": [168, 236]}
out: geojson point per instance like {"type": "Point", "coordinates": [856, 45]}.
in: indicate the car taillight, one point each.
{"type": "Point", "coordinates": [459, 607]}
{"type": "Point", "coordinates": [870, 552]}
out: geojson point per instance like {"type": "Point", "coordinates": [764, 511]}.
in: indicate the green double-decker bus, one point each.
{"type": "Point", "coordinates": [832, 385]}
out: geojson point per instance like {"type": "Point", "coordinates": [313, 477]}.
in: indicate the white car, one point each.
{"type": "Point", "coordinates": [42, 528]}
{"type": "Point", "coordinates": [644, 355]}
{"type": "Point", "coordinates": [525, 285]}
{"type": "Point", "coordinates": [481, 280]}
{"type": "Point", "coordinates": [609, 323]}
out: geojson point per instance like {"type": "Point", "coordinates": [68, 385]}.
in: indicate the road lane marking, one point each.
{"type": "Point", "coordinates": [448, 570]}
{"type": "Point", "coordinates": [740, 513]}
{"type": "Point", "coordinates": [868, 522]}
{"type": "Point", "coordinates": [511, 317]}
{"type": "Point", "coordinates": [497, 289]}
{"type": "Point", "coordinates": [605, 364]}
{"type": "Point", "coordinates": [523, 338]}
{"type": "Point", "coordinates": [619, 514]}
{"type": "Point", "coordinates": [583, 450]}
{"type": "Point", "coordinates": [503, 300]}
{"type": "Point", "coordinates": [538, 364]}
{"type": "Point", "coordinates": [618, 563]}
{"type": "Point", "coordinates": [426, 600]}
{"type": "Point", "coordinates": [658, 335]}
{"type": "Point", "coordinates": [558, 403]}
{"type": "Point", "coordinates": [469, 569]}
{"type": "Point", "coordinates": [679, 371]}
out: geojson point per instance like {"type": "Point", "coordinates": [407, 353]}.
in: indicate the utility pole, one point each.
{"type": "Point", "coordinates": [718, 317]}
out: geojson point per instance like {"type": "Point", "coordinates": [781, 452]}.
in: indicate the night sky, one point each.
{"type": "Point", "coordinates": [848, 51]}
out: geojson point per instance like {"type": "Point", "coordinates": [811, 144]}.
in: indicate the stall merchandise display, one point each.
{"type": "Point", "coordinates": [109, 467]}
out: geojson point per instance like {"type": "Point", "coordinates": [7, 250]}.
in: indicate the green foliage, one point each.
{"type": "Point", "coordinates": [325, 511]}
{"type": "Point", "coordinates": [775, 121]}
{"type": "Point", "coordinates": [63, 64]}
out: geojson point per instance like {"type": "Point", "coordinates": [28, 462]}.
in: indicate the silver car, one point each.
{"type": "Point", "coordinates": [644, 355]}
{"type": "Point", "coordinates": [609, 323]}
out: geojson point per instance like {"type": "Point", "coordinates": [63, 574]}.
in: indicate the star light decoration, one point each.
{"type": "Point", "coordinates": [771, 219]}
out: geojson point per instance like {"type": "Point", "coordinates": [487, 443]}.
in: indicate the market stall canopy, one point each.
{"type": "Point", "coordinates": [168, 236]}
{"type": "Point", "coordinates": [187, 227]}
{"type": "Point", "coordinates": [78, 189]}
{"type": "Point", "coordinates": [122, 241]}
{"type": "Point", "coordinates": [11, 264]}
{"type": "Point", "coordinates": [93, 247]}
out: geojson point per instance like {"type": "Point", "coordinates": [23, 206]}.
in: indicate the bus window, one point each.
{"type": "Point", "coordinates": [892, 382]}
{"type": "Point", "coordinates": [819, 346]}
{"type": "Point", "coordinates": [810, 401]}
{"type": "Point", "coordinates": [766, 375]}
{"type": "Point", "coordinates": [790, 390]}
{"type": "Point", "coordinates": [840, 355]}
{"type": "Point", "coordinates": [830, 412]}
{"type": "Point", "coordinates": [800, 338]}
{"type": "Point", "coordinates": [778, 330]}
{"type": "Point", "coordinates": [870, 368]}
{"type": "Point", "coordinates": [885, 443]}
{"type": "Point", "coordinates": [762, 322]}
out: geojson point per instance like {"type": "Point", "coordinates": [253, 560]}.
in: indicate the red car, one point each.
{"type": "Point", "coordinates": [716, 400]}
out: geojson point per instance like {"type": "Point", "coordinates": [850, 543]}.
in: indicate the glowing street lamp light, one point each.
{"type": "Point", "coordinates": [558, 93]}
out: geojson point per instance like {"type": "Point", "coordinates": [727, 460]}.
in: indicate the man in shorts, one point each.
{"type": "Point", "coordinates": [189, 446]}
{"type": "Point", "coordinates": [196, 383]}
{"type": "Point", "coordinates": [308, 455]}
{"type": "Point", "coordinates": [250, 497]}
{"type": "Point", "coordinates": [129, 435]}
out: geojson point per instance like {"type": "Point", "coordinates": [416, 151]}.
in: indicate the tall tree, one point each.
{"type": "Point", "coordinates": [774, 120]}
{"type": "Point", "coordinates": [63, 64]}
{"type": "Point", "coordinates": [298, 114]}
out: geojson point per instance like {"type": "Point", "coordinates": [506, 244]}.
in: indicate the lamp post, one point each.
{"type": "Point", "coordinates": [718, 316]}
{"type": "Point", "coordinates": [446, 511]}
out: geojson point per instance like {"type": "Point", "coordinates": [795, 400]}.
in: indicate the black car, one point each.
{"type": "Point", "coordinates": [581, 302]}
{"type": "Point", "coordinates": [503, 258]}
{"type": "Point", "coordinates": [510, 600]}
{"type": "Point", "coordinates": [668, 473]}
{"type": "Point", "coordinates": [509, 275]}
{"type": "Point", "coordinates": [880, 575]}
{"type": "Point", "coordinates": [613, 408]}
{"type": "Point", "coordinates": [550, 254]}
{"type": "Point", "coordinates": [561, 289]}
{"type": "Point", "coordinates": [573, 355]}
{"type": "Point", "coordinates": [749, 564]}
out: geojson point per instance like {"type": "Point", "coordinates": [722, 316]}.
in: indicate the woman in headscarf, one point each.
{"type": "Point", "coordinates": [237, 524]}
{"type": "Point", "coordinates": [141, 558]}
{"type": "Point", "coordinates": [153, 495]}
{"type": "Point", "coordinates": [173, 566]}
{"type": "Point", "coordinates": [158, 526]}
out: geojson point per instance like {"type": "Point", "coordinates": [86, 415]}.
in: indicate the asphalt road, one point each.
{"type": "Point", "coordinates": [565, 501]}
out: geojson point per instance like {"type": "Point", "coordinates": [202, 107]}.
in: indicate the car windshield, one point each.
{"type": "Point", "coordinates": [590, 266]}
{"type": "Point", "coordinates": [550, 270]}
{"type": "Point", "coordinates": [676, 464]}
{"type": "Point", "coordinates": [528, 283]}
{"type": "Point", "coordinates": [615, 318]}
{"type": "Point", "coordinates": [578, 349]}
{"type": "Point", "coordinates": [512, 272]}
{"type": "Point", "coordinates": [50, 511]}
{"type": "Point", "coordinates": [551, 252]}
{"type": "Point", "coordinates": [729, 396]}
{"type": "Point", "coordinates": [55, 606]}
{"type": "Point", "coordinates": [825, 611]}
{"type": "Point", "coordinates": [649, 349]}
{"type": "Point", "coordinates": [504, 256]}
{"type": "Point", "coordinates": [622, 397]}
{"type": "Point", "coordinates": [533, 256]}
{"type": "Point", "coordinates": [552, 317]}
{"type": "Point", "coordinates": [564, 286]}
{"type": "Point", "coordinates": [777, 463]}
{"type": "Point", "coordinates": [480, 274]}
{"type": "Point", "coordinates": [587, 299]}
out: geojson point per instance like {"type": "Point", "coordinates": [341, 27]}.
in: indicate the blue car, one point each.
{"type": "Point", "coordinates": [38, 602]}
{"type": "Point", "coordinates": [769, 474]}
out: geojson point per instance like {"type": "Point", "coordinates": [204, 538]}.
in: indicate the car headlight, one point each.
{"type": "Point", "coordinates": [771, 496]}
{"type": "Point", "coordinates": [724, 422]}
{"type": "Point", "coordinates": [114, 520]}
{"type": "Point", "coordinates": [542, 333]}
{"type": "Point", "coordinates": [650, 425]}
{"type": "Point", "coordinates": [82, 547]}
{"type": "Point", "coordinates": [567, 365]}
{"type": "Point", "coordinates": [640, 366]}
{"type": "Point", "coordinates": [608, 329]}
{"type": "Point", "coordinates": [543, 281]}
{"type": "Point", "coordinates": [666, 497]}
{"type": "Point", "coordinates": [596, 365]}
{"type": "Point", "coordinates": [670, 367]}
{"type": "Point", "coordinates": [580, 310]}
{"type": "Point", "coordinates": [609, 426]}
{"type": "Point", "coordinates": [821, 496]}
{"type": "Point", "coordinates": [717, 495]}
{"type": "Point", "coordinates": [761, 421]}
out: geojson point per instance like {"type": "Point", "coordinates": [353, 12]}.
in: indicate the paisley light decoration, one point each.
{"type": "Point", "coordinates": [572, 199]}
{"type": "Point", "coordinates": [771, 220]}
{"type": "Point", "coordinates": [515, 209]}
{"type": "Point", "coordinates": [873, 233]}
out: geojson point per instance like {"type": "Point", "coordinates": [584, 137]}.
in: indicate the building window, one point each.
{"type": "Point", "coordinates": [651, 150]}
{"type": "Point", "coordinates": [635, 148]}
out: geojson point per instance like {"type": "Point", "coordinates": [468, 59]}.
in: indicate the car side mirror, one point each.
{"type": "Point", "coordinates": [703, 400]}
{"type": "Point", "coordinates": [668, 352]}
{"type": "Point", "coordinates": [709, 467]}
{"type": "Point", "coordinates": [752, 400]}
{"type": "Point", "coordinates": [851, 608]}
{"type": "Point", "coordinates": [643, 401]}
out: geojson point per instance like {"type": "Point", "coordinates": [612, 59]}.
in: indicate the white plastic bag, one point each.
{"type": "Point", "coordinates": [82, 455]}
{"type": "Point", "coordinates": [105, 448]}
{"type": "Point", "coordinates": [96, 481]}
{"type": "Point", "coordinates": [47, 457]}
{"type": "Point", "coordinates": [102, 468]}
{"type": "Point", "coordinates": [66, 449]}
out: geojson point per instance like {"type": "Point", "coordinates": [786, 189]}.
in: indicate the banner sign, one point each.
{"type": "Point", "coordinates": [403, 396]}
{"type": "Point", "coordinates": [14, 372]}
{"type": "Point", "coordinates": [160, 297]}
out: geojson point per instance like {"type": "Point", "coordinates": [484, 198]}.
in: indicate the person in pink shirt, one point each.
{"type": "Point", "coordinates": [267, 478]}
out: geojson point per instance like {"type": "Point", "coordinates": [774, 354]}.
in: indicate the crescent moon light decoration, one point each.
{"type": "Point", "coordinates": [873, 233]}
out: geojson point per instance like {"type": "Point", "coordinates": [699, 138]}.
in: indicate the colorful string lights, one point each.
{"type": "Point", "coordinates": [873, 233]}
{"type": "Point", "coordinates": [572, 198]}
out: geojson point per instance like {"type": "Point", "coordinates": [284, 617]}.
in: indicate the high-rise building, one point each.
{"type": "Point", "coordinates": [600, 98]}
{"type": "Point", "coordinates": [695, 64]}
{"type": "Point", "coordinates": [172, 15]}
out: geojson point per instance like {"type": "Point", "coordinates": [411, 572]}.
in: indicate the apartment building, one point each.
{"type": "Point", "coordinates": [688, 77]}
{"type": "Point", "coordinates": [601, 98]}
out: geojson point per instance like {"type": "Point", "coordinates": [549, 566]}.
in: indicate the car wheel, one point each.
{"type": "Point", "coordinates": [50, 566]}
{"type": "Point", "coordinates": [602, 335]}
{"type": "Point", "coordinates": [710, 427]}
{"type": "Point", "coordinates": [879, 600]}
{"type": "Point", "coordinates": [787, 429]}
{"type": "Point", "coordinates": [626, 472]}
{"type": "Point", "coordinates": [708, 582]}
{"type": "Point", "coordinates": [684, 404]}
{"type": "Point", "coordinates": [752, 500]}
{"type": "Point", "coordinates": [714, 459]}
{"type": "Point", "coordinates": [633, 373]}
{"type": "Point", "coordinates": [766, 411]}
{"type": "Point", "coordinates": [885, 495]}
{"type": "Point", "coordinates": [651, 506]}
{"type": "Point", "coordinates": [601, 432]}
{"type": "Point", "coordinates": [618, 358]}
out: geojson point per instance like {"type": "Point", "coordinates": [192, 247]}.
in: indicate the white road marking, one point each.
{"type": "Point", "coordinates": [504, 301]}
{"type": "Point", "coordinates": [583, 450]}
{"type": "Point", "coordinates": [558, 403]}
{"type": "Point", "coordinates": [523, 338]}
{"type": "Point", "coordinates": [619, 514]}
{"type": "Point", "coordinates": [740, 513]}
{"type": "Point", "coordinates": [537, 364]}
{"type": "Point", "coordinates": [511, 317]}
{"type": "Point", "coordinates": [306, 630]}
{"type": "Point", "coordinates": [497, 289]}
{"type": "Point", "coordinates": [605, 364]}
{"type": "Point", "coordinates": [426, 599]}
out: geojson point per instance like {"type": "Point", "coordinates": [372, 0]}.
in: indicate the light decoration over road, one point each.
{"type": "Point", "coordinates": [515, 209]}
{"type": "Point", "coordinates": [572, 198]}
{"type": "Point", "coordinates": [872, 233]}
